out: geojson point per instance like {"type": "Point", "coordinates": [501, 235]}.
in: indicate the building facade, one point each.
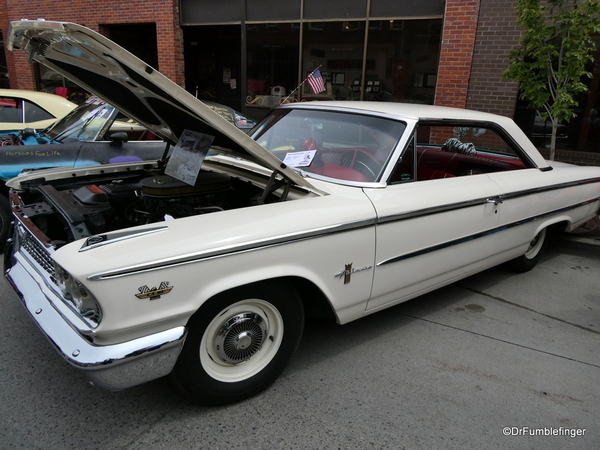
{"type": "Point", "coordinates": [252, 54]}
{"type": "Point", "coordinates": [136, 25]}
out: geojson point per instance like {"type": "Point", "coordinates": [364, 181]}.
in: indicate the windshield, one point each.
{"type": "Point", "coordinates": [349, 147]}
{"type": "Point", "coordinates": [87, 122]}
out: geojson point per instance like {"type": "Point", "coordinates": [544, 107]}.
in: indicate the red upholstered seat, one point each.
{"type": "Point", "coordinates": [339, 172]}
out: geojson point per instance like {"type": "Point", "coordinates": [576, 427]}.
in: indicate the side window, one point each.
{"type": "Point", "coordinates": [11, 110]}
{"type": "Point", "coordinates": [404, 170]}
{"type": "Point", "coordinates": [446, 151]}
{"type": "Point", "coordinates": [34, 113]}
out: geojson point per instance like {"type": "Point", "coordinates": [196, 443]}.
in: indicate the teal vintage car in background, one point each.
{"type": "Point", "coordinates": [92, 133]}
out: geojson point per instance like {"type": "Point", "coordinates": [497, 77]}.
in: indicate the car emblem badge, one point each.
{"type": "Point", "coordinates": [154, 293]}
{"type": "Point", "coordinates": [348, 271]}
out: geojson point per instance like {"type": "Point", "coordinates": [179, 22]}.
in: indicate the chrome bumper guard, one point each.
{"type": "Point", "coordinates": [111, 367]}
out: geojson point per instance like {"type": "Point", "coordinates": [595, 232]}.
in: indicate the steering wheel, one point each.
{"type": "Point", "coordinates": [362, 161]}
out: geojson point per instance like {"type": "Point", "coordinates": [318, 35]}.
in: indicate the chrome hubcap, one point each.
{"type": "Point", "coordinates": [240, 337]}
{"type": "Point", "coordinates": [241, 340]}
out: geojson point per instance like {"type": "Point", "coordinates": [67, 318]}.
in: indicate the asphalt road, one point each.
{"type": "Point", "coordinates": [495, 361]}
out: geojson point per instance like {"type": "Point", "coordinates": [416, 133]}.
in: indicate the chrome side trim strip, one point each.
{"type": "Point", "coordinates": [482, 234]}
{"type": "Point", "coordinates": [554, 187]}
{"type": "Point", "coordinates": [230, 250]}
{"type": "Point", "coordinates": [320, 232]}
{"type": "Point", "coordinates": [434, 210]}
{"type": "Point", "coordinates": [481, 201]}
{"type": "Point", "coordinates": [434, 248]}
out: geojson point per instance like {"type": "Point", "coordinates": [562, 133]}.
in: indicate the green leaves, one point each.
{"type": "Point", "coordinates": [555, 48]}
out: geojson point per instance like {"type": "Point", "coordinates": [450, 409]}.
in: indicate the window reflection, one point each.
{"type": "Point", "coordinates": [272, 62]}
{"type": "Point", "coordinates": [401, 61]}
{"type": "Point", "coordinates": [404, 58]}
{"type": "Point", "coordinates": [337, 47]}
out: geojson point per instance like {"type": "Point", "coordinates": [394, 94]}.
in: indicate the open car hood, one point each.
{"type": "Point", "coordinates": [112, 73]}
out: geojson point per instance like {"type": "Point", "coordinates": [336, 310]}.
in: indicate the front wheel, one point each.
{"type": "Point", "coordinates": [239, 342]}
{"type": "Point", "coordinates": [531, 257]}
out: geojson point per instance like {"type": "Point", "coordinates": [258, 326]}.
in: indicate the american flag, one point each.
{"type": "Point", "coordinates": [315, 80]}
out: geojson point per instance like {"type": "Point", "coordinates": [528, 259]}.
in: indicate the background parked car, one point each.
{"type": "Point", "coordinates": [235, 117]}
{"type": "Point", "coordinates": [92, 133]}
{"type": "Point", "coordinates": [30, 109]}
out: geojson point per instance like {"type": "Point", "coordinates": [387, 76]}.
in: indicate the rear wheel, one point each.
{"type": "Point", "coordinates": [531, 257]}
{"type": "Point", "coordinates": [239, 343]}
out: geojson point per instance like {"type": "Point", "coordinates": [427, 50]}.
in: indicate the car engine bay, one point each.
{"type": "Point", "coordinates": [69, 209]}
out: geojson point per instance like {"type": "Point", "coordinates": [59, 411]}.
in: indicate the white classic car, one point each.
{"type": "Point", "coordinates": [204, 265]}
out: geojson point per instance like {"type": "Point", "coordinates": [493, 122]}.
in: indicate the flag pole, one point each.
{"type": "Point", "coordinates": [298, 87]}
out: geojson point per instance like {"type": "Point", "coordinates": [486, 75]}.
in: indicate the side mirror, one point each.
{"type": "Point", "coordinates": [117, 139]}
{"type": "Point", "coordinates": [27, 132]}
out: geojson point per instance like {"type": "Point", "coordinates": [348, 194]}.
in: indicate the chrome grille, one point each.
{"type": "Point", "coordinates": [72, 293]}
{"type": "Point", "coordinates": [36, 251]}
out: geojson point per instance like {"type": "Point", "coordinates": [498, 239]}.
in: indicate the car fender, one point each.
{"type": "Point", "coordinates": [317, 244]}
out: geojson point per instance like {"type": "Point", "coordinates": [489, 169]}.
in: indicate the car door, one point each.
{"type": "Point", "coordinates": [438, 217]}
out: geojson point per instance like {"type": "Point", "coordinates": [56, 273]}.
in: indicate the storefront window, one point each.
{"type": "Point", "coordinates": [213, 63]}
{"type": "Point", "coordinates": [399, 64]}
{"type": "Point", "coordinates": [272, 71]}
{"type": "Point", "coordinates": [336, 48]}
{"type": "Point", "coordinates": [402, 60]}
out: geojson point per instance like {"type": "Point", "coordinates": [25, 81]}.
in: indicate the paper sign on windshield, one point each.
{"type": "Point", "coordinates": [299, 159]}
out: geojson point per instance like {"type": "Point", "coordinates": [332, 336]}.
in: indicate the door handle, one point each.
{"type": "Point", "coordinates": [495, 200]}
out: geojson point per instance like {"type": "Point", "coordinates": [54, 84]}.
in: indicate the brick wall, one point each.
{"type": "Point", "coordinates": [497, 34]}
{"type": "Point", "coordinates": [456, 55]}
{"type": "Point", "coordinates": [477, 36]}
{"type": "Point", "coordinates": [164, 13]}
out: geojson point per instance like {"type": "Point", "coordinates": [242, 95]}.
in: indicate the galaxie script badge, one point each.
{"type": "Point", "coordinates": [348, 271]}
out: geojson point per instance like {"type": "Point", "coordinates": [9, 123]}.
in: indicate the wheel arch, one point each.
{"type": "Point", "coordinates": [315, 302]}
{"type": "Point", "coordinates": [555, 224]}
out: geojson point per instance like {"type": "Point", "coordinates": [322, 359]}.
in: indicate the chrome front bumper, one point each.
{"type": "Point", "coordinates": [112, 367]}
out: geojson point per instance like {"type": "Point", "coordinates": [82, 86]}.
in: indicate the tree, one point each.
{"type": "Point", "coordinates": [554, 51]}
